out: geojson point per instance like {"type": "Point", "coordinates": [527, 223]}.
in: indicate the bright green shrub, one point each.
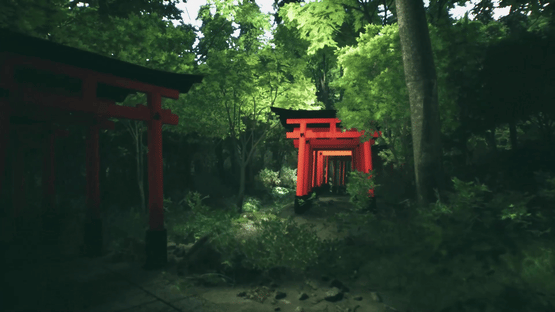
{"type": "Point", "coordinates": [269, 178]}
{"type": "Point", "coordinates": [201, 220]}
{"type": "Point", "coordinates": [281, 243]}
{"type": "Point", "coordinates": [288, 177]}
{"type": "Point", "coordinates": [358, 185]}
{"type": "Point", "coordinates": [279, 192]}
{"type": "Point", "coordinates": [251, 204]}
{"type": "Point", "coordinates": [473, 248]}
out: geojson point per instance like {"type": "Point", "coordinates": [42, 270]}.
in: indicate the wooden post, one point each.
{"type": "Point", "coordinates": [327, 169]}
{"type": "Point", "coordinates": [309, 171]}
{"type": "Point", "coordinates": [343, 172]}
{"type": "Point", "coordinates": [308, 153]}
{"type": "Point", "coordinates": [320, 169]}
{"type": "Point", "coordinates": [156, 236]}
{"type": "Point", "coordinates": [93, 223]}
{"type": "Point", "coordinates": [352, 159]}
{"type": "Point", "coordinates": [368, 162]}
{"type": "Point", "coordinates": [301, 161]}
{"type": "Point", "coordinates": [360, 159]}
{"type": "Point", "coordinates": [314, 169]}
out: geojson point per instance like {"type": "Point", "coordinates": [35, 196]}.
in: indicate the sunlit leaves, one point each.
{"type": "Point", "coordinates": [317, 22]}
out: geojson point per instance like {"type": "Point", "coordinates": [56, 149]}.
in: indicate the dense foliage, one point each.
{"type": "Point", "coordinates": [485, 245]}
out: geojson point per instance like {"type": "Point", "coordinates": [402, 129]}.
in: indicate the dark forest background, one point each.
{"type": "Point", "coordinates": [483, 244]}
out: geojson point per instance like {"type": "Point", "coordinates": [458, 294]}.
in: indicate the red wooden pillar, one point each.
{"type": "Point", "coordinates": [355, 159]}
{"type": "Point", "coordinates": [335, 173]}
{"type": "Point", "coordinates": [156, 236]}
{"type": "Point", "coordinates": [310, 171]}
{"type": "Point", "coordinates": [337, 164]}
{"type": "Point", "coordinates": [308, 163]}
{"type": "Point", "coordinates": [314, 168]}
{"type": "Point", "coordinates": [367, 157]}
{"type": "Point", "coordinates": [342, 171]}
{"type": "Point", "coordinates": [352, 159]}
{"type": "Point", "coordinates": [301, 164]}
{"type": "Point", "coordinates": [332, 168]}
{"type": "Point", "coordinates": [327, 169]}
{"type": "Point", "coordinates": [343, 165]}
{"type": "Point", "coordinates": [360, 158]}
{"type": "Point", "coordinates": [368, 161]}
{"type": "Point", "coordinates": [93, 223]}
{"type": "Point", "coordinates": [320, 168]}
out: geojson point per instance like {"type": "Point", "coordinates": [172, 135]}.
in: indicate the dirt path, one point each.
{"type": "Point", "coordinates": [40, 282]}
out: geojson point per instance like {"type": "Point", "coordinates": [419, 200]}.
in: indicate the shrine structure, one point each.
{"type": "Point", "coordinates": [45, 86]}
{"type": "Point", "coordinates": [326, 151]}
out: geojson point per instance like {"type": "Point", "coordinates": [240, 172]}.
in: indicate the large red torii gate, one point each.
{"type": "Point", "coordinates": [42, 84]}
{"type": "Point", "coordinates": [323, 144]}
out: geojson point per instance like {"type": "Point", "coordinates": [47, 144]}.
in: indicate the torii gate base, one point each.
{"type": "Point", "coordinates": [156, 242]}
{"type": "Point", "coordinates": [303, 203]}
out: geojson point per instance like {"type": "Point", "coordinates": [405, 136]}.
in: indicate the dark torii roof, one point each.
{"type": "Point", "coordinates": [34, 47]}
{"type": "Point", "coordinates": [285, 114]}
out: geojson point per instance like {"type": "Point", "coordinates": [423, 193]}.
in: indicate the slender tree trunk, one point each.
{"type": "Point", "coordinates": [221, 160]}
{"type": "Point", "coordinates": [420, 78]}
{"type": "Point", "coordinates": [241, 193]}
{"type": "Point", "coordinates": [136, 130]}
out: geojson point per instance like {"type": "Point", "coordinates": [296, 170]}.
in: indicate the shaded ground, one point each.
{"type": "Point", "coordinates": [40, 280]}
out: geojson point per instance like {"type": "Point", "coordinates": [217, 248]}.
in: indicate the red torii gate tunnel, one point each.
{"type": "Point", "coordinates": [326, 152]}
{"type": "Point", "coordinates": [44, 86]}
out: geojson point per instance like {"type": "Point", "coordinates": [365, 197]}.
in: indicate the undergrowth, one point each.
{"type": "Point", "coordinates": [471, 251]}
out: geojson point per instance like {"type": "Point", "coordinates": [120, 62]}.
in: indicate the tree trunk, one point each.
{"type": "Point", "coordinates": [136, 130]}
{"type": "Point", "coordinates": [241, 193]}
{"type": "Point", "coordinates": [221, 160]}
{"type": "Point", "coordinates": [420, 78]}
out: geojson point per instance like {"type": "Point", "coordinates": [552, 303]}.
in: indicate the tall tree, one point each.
{"type": "Point", "coordinates": [421, 81]}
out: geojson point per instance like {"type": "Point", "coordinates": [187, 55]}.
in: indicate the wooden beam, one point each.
{"type": "Point", "coordinates": [335, 144]}
{"type": "Point", "coordinates": [86, 74]}
{"type": "Point", "coordinates": [103, 108]}
{"type": "Point", "coordinates": [337, 153]}
{"type": "Point", "coordinates": [309, 134]}
{"type": "Point", "coordinates": [293, 121]}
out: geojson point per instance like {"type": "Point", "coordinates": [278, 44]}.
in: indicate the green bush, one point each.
{"type": "Point", "coordinates": [251, 204]}
{"type": "Point", "coordinates": [288, 177]}
{"type": "Point", "coordinates": [281, 243]}
{"type": "Point", "coordinates": [472, 248]}
{"type": "Point", "coordinates": [185, 225]}
{"type": "Point", "coordinates": [269, 178]}
{"type": "Point", "coordinates": [357, 186]}
{"type": "Point", "coordinates": [277, 243]}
